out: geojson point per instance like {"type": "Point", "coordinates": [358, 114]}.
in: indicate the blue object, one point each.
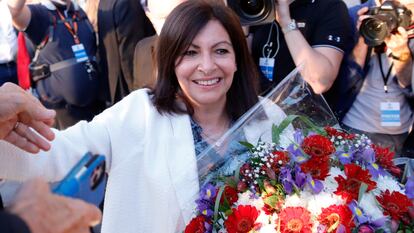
{"type": "Point", "coordinates": [86, 180]}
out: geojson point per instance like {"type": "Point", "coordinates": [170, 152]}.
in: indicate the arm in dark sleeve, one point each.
{"type": "Point", "coordinates": [10, 223]}
{"type": "Point", "coordinates": [131, 25]}
{"type": "Point", "coordinates": [334, 27]}
{"type": "Point", "coordinates": [39, 25]}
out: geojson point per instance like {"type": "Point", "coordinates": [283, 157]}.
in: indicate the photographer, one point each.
{"type": "Point", "coordinates": [383, 71]}
{"type": "Point", "coordinates": [63, 70]}
{"type": "Point", "coordinates": [311, 32]}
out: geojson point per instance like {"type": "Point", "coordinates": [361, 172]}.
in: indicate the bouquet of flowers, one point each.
{"type": "Point", "coordinates": [300, 175]}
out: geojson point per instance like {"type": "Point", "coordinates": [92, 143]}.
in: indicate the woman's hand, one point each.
{"type": "Point", "coordinates": [24, 122]}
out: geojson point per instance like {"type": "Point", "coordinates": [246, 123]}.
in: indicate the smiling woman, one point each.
{"type": "Point", "coordinates": [205, 71]}
{"type": "Point", "coordinates": [206, 81]}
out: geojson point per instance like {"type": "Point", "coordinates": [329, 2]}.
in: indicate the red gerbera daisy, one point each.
{"type": "Point", "coordinates": [242, 219]}
{"type": "Point", "coordinates": [395, 204]}
{"type": "Point", "coordinates": [318, 167]}
{"type": "Point", "coordinates": [295, 219]}
{"type": "Point", "coordinates": [230, 195]}
{"type": "Point", "coordinates": [317, 145]}
{"type": "Point", "coordinates": [197, 225]}
{"type": "Point", "coordinates": [336, 215]}
{"type": "Point", "coordinates": [348, 187]}
{"type": "Point", "coordinates": [384, 158]}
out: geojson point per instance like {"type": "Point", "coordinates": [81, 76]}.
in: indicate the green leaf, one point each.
{"type": "Point", "coordinates": [248, 145]}
{"type": "Point", "coordinates": [362, 189]}
{"type": "Point", "coordinates": [277, 130]}
{"type": "Point", "coordinates": [217, 204]}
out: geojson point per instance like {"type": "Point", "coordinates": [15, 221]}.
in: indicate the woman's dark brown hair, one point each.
{"type": "Point", "coordinates": [179, 30]}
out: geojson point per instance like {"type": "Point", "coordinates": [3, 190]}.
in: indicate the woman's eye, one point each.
{"type": "Point", "coordinates": [222, 51]}
{"type": "Point", "coordinates": [190, 53]}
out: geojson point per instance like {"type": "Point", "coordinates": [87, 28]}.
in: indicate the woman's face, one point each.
{"type": "Point", "coordinates": [205, 70]}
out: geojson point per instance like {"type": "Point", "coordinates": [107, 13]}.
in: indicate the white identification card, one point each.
{"type": "Point", "coordinates": [390, 114]}
{"type": "Point", "coordinates": [79, 52]}
{"type": "Point", "coordinates": [266, 66]}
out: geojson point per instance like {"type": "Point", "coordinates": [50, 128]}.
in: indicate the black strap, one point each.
{"type": "Point", "coordinates": [385, 78]}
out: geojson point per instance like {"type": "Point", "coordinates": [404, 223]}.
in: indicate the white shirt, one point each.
{"type": "Point", "coordinates": [8, 38]}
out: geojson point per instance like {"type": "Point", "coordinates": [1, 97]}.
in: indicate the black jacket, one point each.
{"type": "Point", "coordinates": [10, 223]}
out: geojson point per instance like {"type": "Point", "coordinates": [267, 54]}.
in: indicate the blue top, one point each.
{"type": "Point", "coordinates": [212, 164]}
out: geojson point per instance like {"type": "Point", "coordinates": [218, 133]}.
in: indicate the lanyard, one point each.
{"type": "Point", "coordinates": [73, 30]}
{"type": "Point", "coordinates": [384, 77]}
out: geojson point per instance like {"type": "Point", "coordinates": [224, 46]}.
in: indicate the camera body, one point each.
{"type": "Point", "coordinates": [383, 21]}
{"type": "Point", "coordinates": [253, 12]}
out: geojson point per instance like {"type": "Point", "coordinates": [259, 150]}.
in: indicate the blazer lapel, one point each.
{"type": "Point", "coordinates": [182, 165]}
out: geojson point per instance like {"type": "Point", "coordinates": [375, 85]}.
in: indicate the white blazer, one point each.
{"type": "Point", "coordinates": [150, 160]}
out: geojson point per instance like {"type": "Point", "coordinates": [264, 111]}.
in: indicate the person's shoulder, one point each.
{"type": "Point", "coordinates": [143, 94]}
{"type": "Point", "coordinates": [40, 7]}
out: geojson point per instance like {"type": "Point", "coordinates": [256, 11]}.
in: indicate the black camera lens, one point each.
{"type": "Point", "coordinates": [374, 31]}
{"type": "Point", "coordinates": [252, 8]}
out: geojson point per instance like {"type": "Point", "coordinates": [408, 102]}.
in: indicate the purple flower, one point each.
{"type": "Point", "coordinates": [208, 192]}
{"type": "Point", "coordinates": [378, 222]}
{"type": "Point", "coordinates": [204, 207]}
{"type": "Point", "coordinates": [298, 137]}
{"type": "Point", "coordinates": [286, 179]}
{"type": "Point", "coordinates": [409, 187]}
{"type": "Point", "coordinates": [296, 154]}
{"type": "Point", "coordinates": [368, 155]}
{"type": "Point", "coordinates": [345, 157]}
{"type": "Point", "coordinates": [208, 227]}
{"type": "Point", "coordinates": [372, 226]}
{"type": "Point", "coordinates": [365, 228]}
{"type": "Point", "coordinates": [300, 178]}
{"type": "Point", "coordinates": [376, 170]}
{"type": "Point", "coordinates": [360, 216]}
{"type": "Point", "coordinates": [315, 185]}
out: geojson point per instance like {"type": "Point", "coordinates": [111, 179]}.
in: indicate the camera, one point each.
{"type": "Point", "coordinates": [253, 12]}
{"type": "Point", "coordinates": [383, 21]}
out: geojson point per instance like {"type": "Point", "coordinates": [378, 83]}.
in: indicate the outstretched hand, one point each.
{"type": "Point", "coordinates": [23, 119]}
{"type": "Point", "coordinates": [45, 212]}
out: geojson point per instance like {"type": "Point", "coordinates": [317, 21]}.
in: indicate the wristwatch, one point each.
{"type": "Point", "coordinates": [290, 27]}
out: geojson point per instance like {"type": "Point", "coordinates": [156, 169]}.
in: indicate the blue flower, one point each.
{"type": "Point", "coordinates": [315, 185]}
{"type": "Point", "coordinates": [375, 170]}
{"type": "Point", "coordinates": [296, 154]}
{"type": "Point", "coordinates": [345, 157]}
{"type": "Point", "coordinates": [208, 192]}
{"type": "Point", "coordinates": [409, 187]}
{"type": "Point", "coordinates": [204, 207]}
{"type": "Point", "coordinates": [298, 137]}
{"type": "Point", "coordinates": [360, 216]}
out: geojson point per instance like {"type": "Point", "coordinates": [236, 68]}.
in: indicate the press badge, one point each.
{"type": "Point", "coordinates": [266, 66]}
{"type": "Point", "coordinates": [390, 114]}
{"type": "Point", "coordinates": [79, 52]}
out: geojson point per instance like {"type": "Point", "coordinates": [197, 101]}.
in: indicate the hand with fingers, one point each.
{"type": "Point", "coordinates": [24, 122]}
{"type": "Point", "coordinates": [398, 43]}
{"type": "Point", "coordinates": [44, 212]}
